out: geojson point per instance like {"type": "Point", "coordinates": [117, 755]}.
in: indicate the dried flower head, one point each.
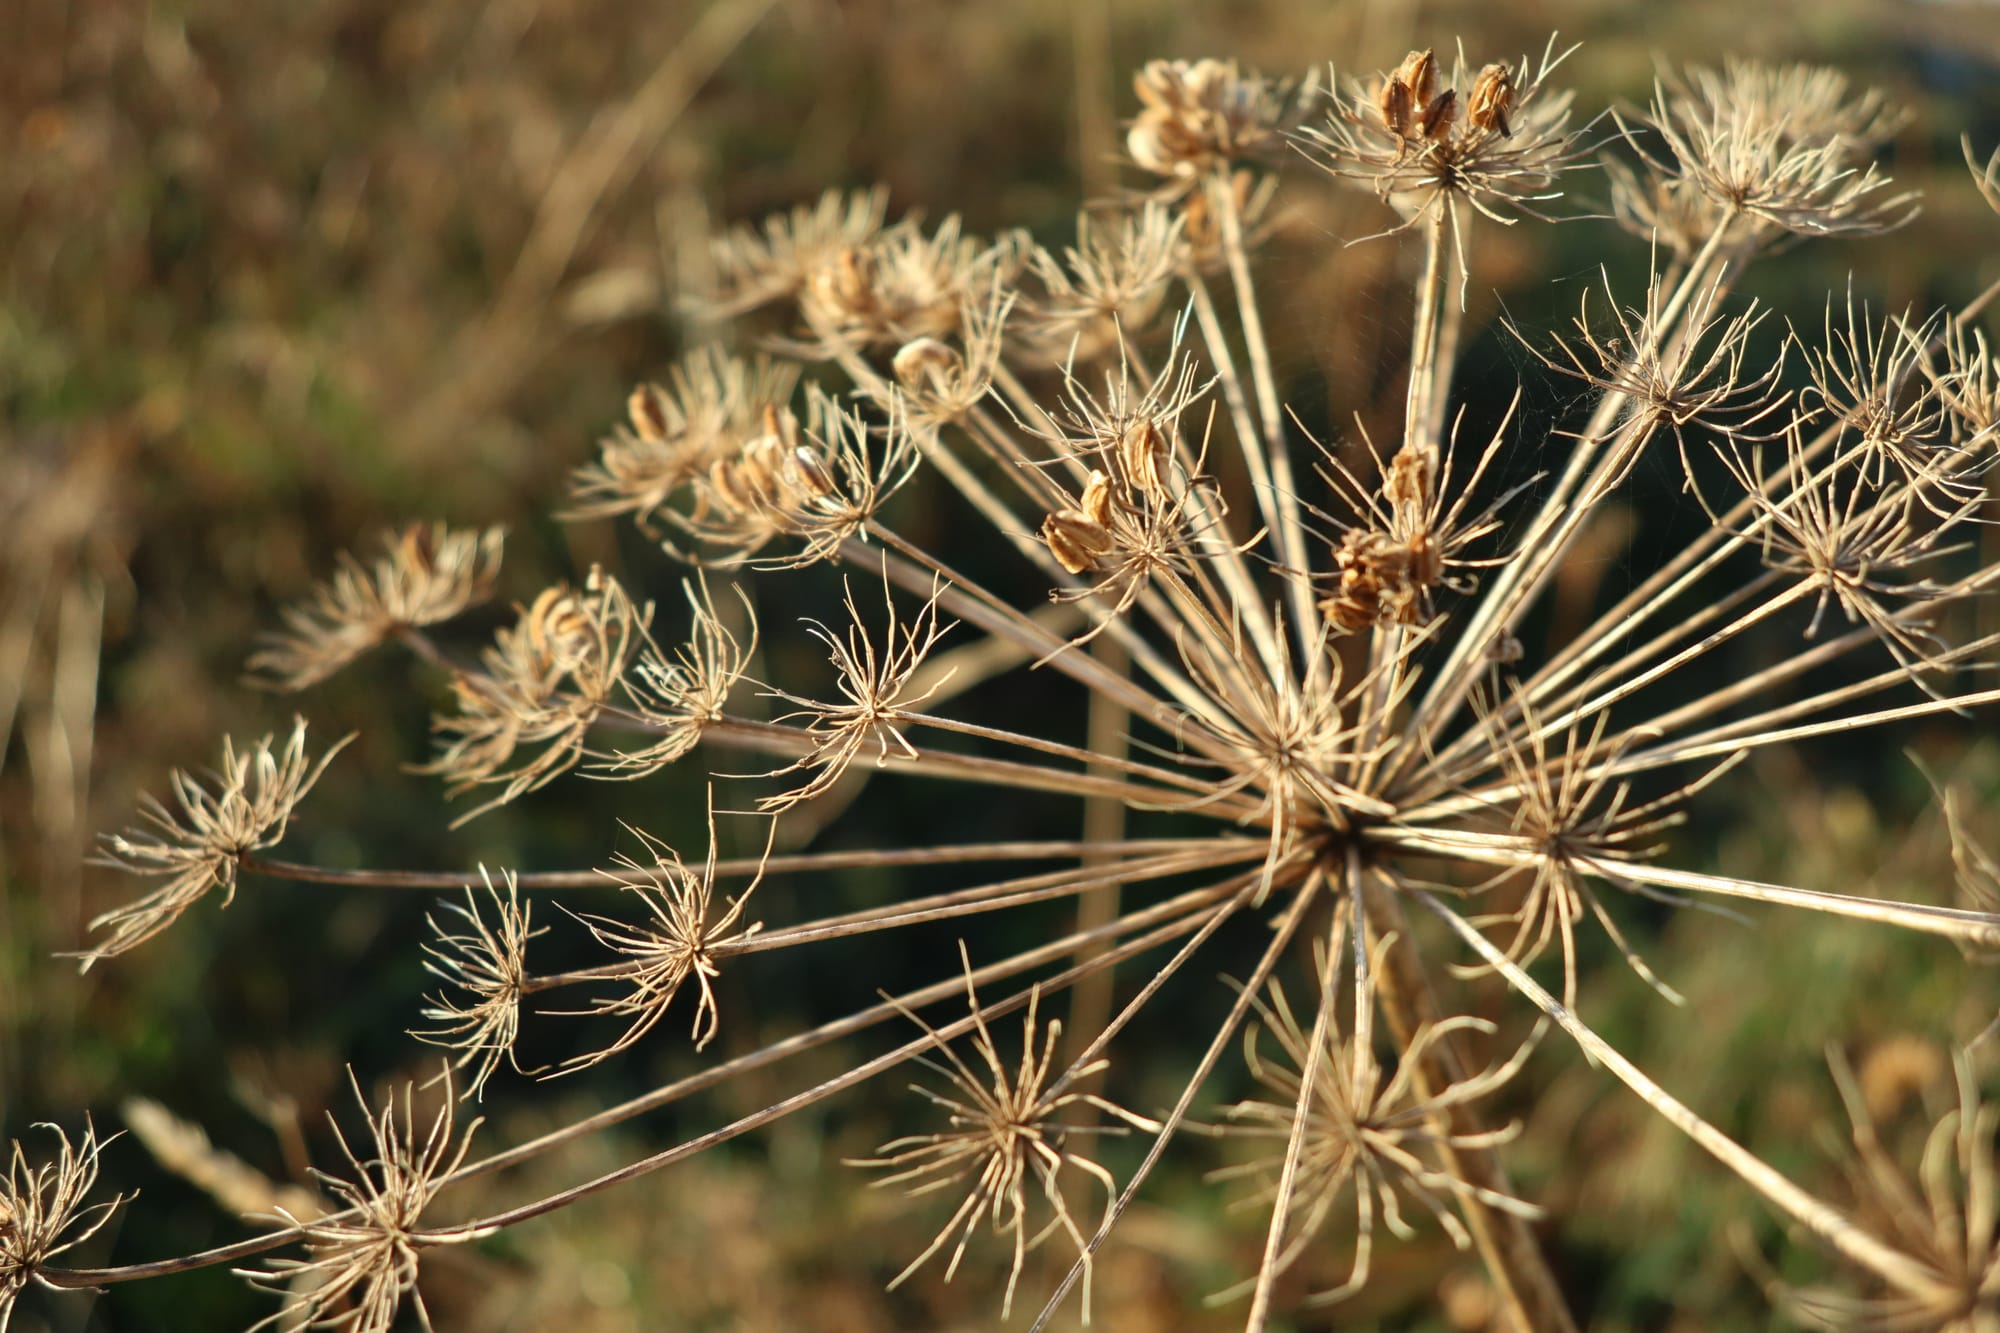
{"type": "Point", "coordinates": [904, 285]}
{"type": "Point", "coordinates": [1944, 1229]}
{"type": "Point", "coordinates": [1656, 203]}
{"type": "Point", "coordinates": [1111, 284]}
{"type": "Point", "coordinates": [711, 404]}
{"type": "Point", "coordinates": [1340, 1124]}
{"type": "Point", "coordinates": [679, 942]}
{"type": "Point", "coordinates": [1408, 536]}
{"type": "Point", "coordinates": [243, 807]}
{"type": "Point", "coordinates": [938, 383]}
{"type": "Point", "coordinates": [820, 481]}
{"type": "Point", "coordinates": [489, 962]}
{"type": "Point", "coordinates": [1784, 147]}
{"type": "Point", "coordinates": [429, 573]}
{"type": "Point", "coordinates": [1969, 384]}
{"type": "Point", "coordinates": [42, 1212]}
{"type": "Point", "coordinates": [364, 1258]}
{"type": "Point", "coordinates": [1569, 821]}
{"type": "Point", "coordinates": [545, 681]}
{"type": "Point", "coordinates": [1003, 1135]}
{"type": "Point", "coordinates": [677, 699]}
{"type": "Point", "coordinates": [1198, 116]}
{"type": "Point", "coordinates": [878, 695]}
{"type": "Point", "coordinates": [1697, 378]}
{"type": "Point", "coordinates": [1847, 539]}
{"type": "Point", "coordinates": [755, 266]}
{"type": "Point", "coordinates": [1865, 376]}
{"type": "Point", "coordinates": [1427, 142]}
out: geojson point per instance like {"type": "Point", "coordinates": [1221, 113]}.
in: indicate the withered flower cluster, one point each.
{"type": "Point", "coordinates": [1309, 726]}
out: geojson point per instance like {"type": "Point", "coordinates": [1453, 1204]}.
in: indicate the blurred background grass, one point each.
{"type": "Point", "coordinates": [275, 277]}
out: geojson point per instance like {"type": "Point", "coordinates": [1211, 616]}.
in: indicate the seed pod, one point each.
{"type": "Point", "coordinates": [781, 425]}
{"type": "Point", "coordinates": [734, 483]}
{"type": "Point", "coordinates": [1439, 115]}
{"type": "Point", "coordinates": [806, 473]}
{"type": "Point", "coordinates": [846, 282]}
{"type": "Point", "coordinates": [1418, 74]}
{"type": "Point", "coordinates": [1409, 480]}
{"type": "Point", "coordinates": [1492, 99]}
{"type": "Point", "coordinates": [1394, 101]}
{"type": "Point", "coordinates": [925, 361]}
{"type": "Point", "coordinates": [1074, 540]}
{"type": "Point", "coordinates": [1096, 504]}
{"type": "Point", "coordinates": [558, 630]}
{"type": "Point", "coordinates": [1145, 457]}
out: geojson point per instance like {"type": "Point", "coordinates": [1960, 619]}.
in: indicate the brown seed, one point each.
{"type": "Point", "coordinates": [1418, 74]}
{"type": "Point", "coordinates": [924, 360]}
{"type": "Point", "coordinates": [1145, 456]}
{"type": "Point", "coordinates": [1408, 483]}
{"type": "Point", "coordinates": [1492, 99]}
{"type": "Point", "coordinates": [1097, 499]}
{"type": "Point", "coordinates": [1439, 115]}
{"type": "Point", "coordinates": [1395, 105]}
{"type": "Point", "coordinates": [1074, 539]}
{"type": "Point", "coordinates": [806, 472]}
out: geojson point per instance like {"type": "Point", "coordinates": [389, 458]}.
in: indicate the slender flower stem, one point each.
{"type": "Point", "coordinates": [1527, 1289]}
{"type": "Point", "coordinates": [1838, 1231]}
{"type": "Point", "coordinates": [1175, 1118]}
{"type": "Point", "coordinates": [1283, 510]}
{"type": "Point", "coordinates": [1188, 912]}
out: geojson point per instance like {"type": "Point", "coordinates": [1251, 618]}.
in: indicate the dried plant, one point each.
{"type": "Point", "coordinates": [1315, 726]}
{"type": "Point", "coordinates": [1946, 1225]}
{"type": "Point", "coordinates": [488, 961]}
{"type": "Point", "coordinates": [43, 1213]}
{"type": "Point", "coordinates": [364, 1258]}
{"type": "Point", "coordinates": [428, 574]}
{"type": "Point", "coordinates": [678, 944]}
{"type": "Point", "coordinates": [1002, 1132]}
{"type": "Point", "coordinates": [202, 846]}
{"type": "Point", "coordinates": [1360, 1130]}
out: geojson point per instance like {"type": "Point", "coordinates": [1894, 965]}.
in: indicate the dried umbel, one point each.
{"type": "Point", "coordinates": [710, 406]}
{"type": "Point", "coordinates": [1198, 115]}
{"type": "Point", "coordinates": [754, 266]}
{"type": "Point", "coordinates": [1110, 285]}
{"type": "Point", "coordinates": [1358, 714]}
{"type": "Point", "coordinates": [903, 285]}
{"type": "Point", "coordinates": [428, 573]}
{"type": "Point", "coordinates": [1004, 1138]}
{"type": "Point", "coordinates": [1360, 1131]}
{"type": "Point", "coordinates": [1787, 150]}
{"type": "Point", "coordinates": [544, 682]}
{"type": "Point", "coordinates": [1943, 1227]}
{"type": "Point", "coordinates": [679, 942]}
{"type": "Point", "coordinates": [43, 1212]}
{"type": "Point", "coordinates": [242, 808]}
{"type": "Point", "coordinates": [1429, 139]}
{"type": "Point", "coordinates": [364, 1259]}
{"type": "Point", "coordinates": [488, 961]}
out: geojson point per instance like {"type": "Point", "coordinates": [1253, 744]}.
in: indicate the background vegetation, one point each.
{"type": "Point", "coordinates": [275, 277]}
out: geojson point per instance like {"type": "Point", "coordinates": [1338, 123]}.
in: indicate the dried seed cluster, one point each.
{"type": "Point", "coordinates": [1310, 704]}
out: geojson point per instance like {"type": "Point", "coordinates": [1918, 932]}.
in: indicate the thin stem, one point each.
{"type": "Point", "coordinates": [1181, 915]}
{"type": "Point", "coordinates": [1280, 937]}
{"type": "Point", "coordinates": [1283, 508]}
{"type": "Point", "coordinates": [1830, 1225]}
{"type": "Point", "coordinates": [1506, 1243]}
